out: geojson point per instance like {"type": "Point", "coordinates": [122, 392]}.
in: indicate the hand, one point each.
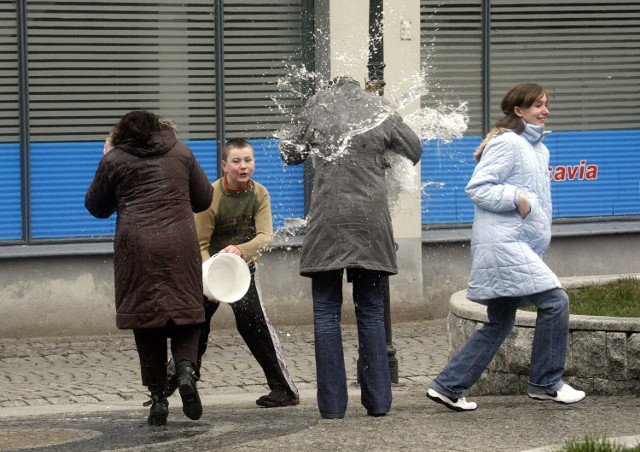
{"type": "Point", "coordinates": [231, 249]}
{"type": "Point", "coordinates": [524, 206]}
{"type": "Point", "coordinates": [107, 146]}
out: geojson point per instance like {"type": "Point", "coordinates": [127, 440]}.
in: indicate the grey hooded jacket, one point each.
{"type": "Point", "coordinates": [346, 130]}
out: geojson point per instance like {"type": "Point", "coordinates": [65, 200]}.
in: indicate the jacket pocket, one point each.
{"type": "Point", "coordinates": [535, 228]}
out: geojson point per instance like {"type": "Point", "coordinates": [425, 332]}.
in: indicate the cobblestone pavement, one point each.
{"type": "Point", "coordinates": [84, 394]}
{"type": "Point", "coordinates": [99, 370]}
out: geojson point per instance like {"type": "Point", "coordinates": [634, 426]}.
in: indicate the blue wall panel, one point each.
{"type": "Point", "coordinates": [575, 158]}
{"type": "Point", "coordinates": [10, 201]}
{"type": "Point", "coordinates": [205, 152]}
{"type": "Point", "coordinates": [60, 176]}
{"type": "Point", "coordinates": [284, 182]}
{"type": "Point", "coordinates": [62, 172]}
{"type": "Point", "coordinates": [445, 169]}
{"type": "Point", "coordinates": [592, 173]}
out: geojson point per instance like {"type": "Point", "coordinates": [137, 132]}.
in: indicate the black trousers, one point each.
{"type": "Point", "coordinates": [152, 350]}
{"type": "Point", "coordinates": [259, 335]}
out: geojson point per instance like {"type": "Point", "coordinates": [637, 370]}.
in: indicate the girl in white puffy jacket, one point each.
{"type": "Point", "coordinates": [510, 189]}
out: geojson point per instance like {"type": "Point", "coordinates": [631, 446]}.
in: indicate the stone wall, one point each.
{"type": "Point", "coordinates": [603, 354]}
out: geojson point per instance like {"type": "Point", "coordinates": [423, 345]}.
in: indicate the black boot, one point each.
{"type": "Point", "coordinates": [191, 405]}
{"type": "Point", "coordinates": [172, 379]}
{"type": "Point", "coordinates": [159, 407]}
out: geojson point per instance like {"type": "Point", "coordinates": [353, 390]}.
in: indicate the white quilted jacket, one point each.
{"type": "Point", "coordinates": [507, 250]}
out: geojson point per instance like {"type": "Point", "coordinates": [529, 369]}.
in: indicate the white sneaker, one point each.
{"type": "Point", "coordinates": [453, 404]}
{"type": "Point", "coordinates": [566, 394]}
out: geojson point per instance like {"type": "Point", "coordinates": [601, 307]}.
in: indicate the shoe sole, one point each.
{"type": "Point", "coordinates": [157, 420]}
{"type": "Point", "coordinates": [267, 403]}
{"type": "Point", "coordinates": [451, 407]}
{"type": "Point", "coordinates": [191, 404]}
{"type": "Point", "coordinates": [544, 398]}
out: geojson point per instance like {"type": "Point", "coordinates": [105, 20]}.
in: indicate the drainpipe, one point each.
{"type": "Point", "coordinates": [376, 83]}
{"type": "Point", "coordinates": [219, 72]}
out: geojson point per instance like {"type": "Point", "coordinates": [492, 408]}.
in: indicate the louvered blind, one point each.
{"type": "Point", "coordinates": [91, 62]}
{"type": "Point", "coordinates": [262, 41]}
{"type": "Point", "coordinates": [586, 53]}
{"type": "Point", "coordinates": [451, 53]}
{"type": "Point", "coordinates": [10, 201]}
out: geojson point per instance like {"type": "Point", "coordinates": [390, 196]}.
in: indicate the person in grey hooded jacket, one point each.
{"type": "Point", "coordinates": [346, 130]}
{"type": "Point", "coordinates": [510, 189]}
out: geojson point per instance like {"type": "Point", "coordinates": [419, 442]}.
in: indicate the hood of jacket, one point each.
{"type": "Point", "coordinates": [159, 144]}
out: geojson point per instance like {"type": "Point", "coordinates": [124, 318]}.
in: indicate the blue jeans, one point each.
{"type": "Point", "coordinates": [373, 363]}
{"type": "Point", "coordinates": [547, 355]}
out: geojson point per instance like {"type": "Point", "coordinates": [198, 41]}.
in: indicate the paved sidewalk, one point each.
{"type": "Point", "coordinates": [84, 393]}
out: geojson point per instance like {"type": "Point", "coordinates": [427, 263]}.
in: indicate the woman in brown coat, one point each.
{"type": "Point", "coordinates": [154, 183]}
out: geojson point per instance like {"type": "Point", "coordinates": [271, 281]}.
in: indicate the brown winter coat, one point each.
{"type": "Point", "coordinates": [347, 131]}
{"type": "Point", "coordinates": [157, 264]}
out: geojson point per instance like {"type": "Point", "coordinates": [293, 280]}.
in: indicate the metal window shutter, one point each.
{"type": "Point", "coordinates": [10, 201]}
{"type": "Point", "coordinates": [586, 53]}
{"type": "Point", "coordinates": [451, 55]}
{"type": "Point", "coordinates": [92, 62]}
{"type": "Point", "coordinates": [263, 40]}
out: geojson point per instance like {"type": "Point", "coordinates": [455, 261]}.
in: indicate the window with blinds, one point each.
{"type": "Point", "coordinates": [586, 53]}
{"type": "Point", "coordinates": [91, 62]}
{"type": "Point", "coordinates": [10, 201]}
{"type": "Point", "coordinates": [451, 53]}
{"type": "Point", "coordinates": [262, 41]}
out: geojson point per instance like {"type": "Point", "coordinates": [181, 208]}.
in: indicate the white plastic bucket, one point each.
{"type": "Point", "coordinates": [225, 277]}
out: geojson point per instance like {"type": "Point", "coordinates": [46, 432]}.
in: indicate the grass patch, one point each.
{"type": "Point", "coordinates": [596, 445]}
{"type": "Point", "coordinates": [620, 298]}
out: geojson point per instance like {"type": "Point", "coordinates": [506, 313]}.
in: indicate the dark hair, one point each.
{"type": "Point", "coordinates": [135, 128]}
{"type": "Point", "coordinates": [235, 143]}
{"type": "Point", "coordinates": [523, 95]}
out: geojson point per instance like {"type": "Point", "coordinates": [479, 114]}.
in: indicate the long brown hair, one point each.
{"type": "Point", "coordinates": [523, 95]}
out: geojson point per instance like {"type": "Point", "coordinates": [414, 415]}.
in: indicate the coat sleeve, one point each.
{"type": "Point", "coordinates": [100, 199]}
{"type": "Point", "coordinates": [487, 188]}
{"type": "Point", "coordinates": [205, 225]}
{"type": "Point", "coordinates": [404, 141]}
{"type": "Point", "coordinates": [295, 146]}
{"type": "Point", "coordinates": [200, 189]}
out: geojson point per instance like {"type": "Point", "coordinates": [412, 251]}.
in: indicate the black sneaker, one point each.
{"type": "Point", "coordinates": [277, 399]}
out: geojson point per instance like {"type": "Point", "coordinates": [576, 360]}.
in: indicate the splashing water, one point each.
{"type": "Point", "coordinates": [438, 121]}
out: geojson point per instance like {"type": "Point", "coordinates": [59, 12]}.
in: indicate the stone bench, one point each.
{"type": "Point", "coordinates": [603, 355]}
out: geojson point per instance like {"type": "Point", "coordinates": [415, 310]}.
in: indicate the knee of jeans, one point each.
{"type": "Point", "coordinates": [326, 322]}
{"type": "Point", "coordinates": [556, 303]}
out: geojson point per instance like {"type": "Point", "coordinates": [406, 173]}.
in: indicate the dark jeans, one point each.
{"type": "Point", "coordinates": [373, 363]}
{"type": "Point", "coordinates": [152, 350]}
{"type": "Point", "coordinates": [259, 335]}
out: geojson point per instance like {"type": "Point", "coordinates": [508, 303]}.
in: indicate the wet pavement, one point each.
{"type": "Point", "coordinates": [84, 394]}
